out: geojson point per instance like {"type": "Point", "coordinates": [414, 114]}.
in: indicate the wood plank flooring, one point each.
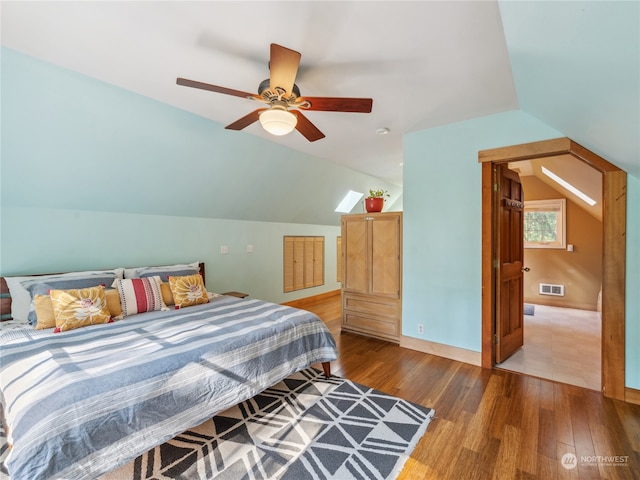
{"type": "Point", "coordinates": [493, 424]}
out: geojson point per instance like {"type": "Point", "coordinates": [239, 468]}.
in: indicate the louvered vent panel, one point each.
{"type": "Point", "coordinates": [550, 289]}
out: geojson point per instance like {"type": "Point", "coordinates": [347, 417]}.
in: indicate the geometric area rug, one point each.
{"type": "Point", "coordinates": [305, 427]}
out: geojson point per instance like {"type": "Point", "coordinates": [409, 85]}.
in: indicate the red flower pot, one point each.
{"type": "Point", "coordinates": [374, 204]}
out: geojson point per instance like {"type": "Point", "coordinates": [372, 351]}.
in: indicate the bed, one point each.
{"type": "Point", "coordinates": [83, 401]}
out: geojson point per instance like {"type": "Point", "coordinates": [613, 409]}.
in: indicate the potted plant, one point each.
{"type": "Point", "coordinates": [375, 201]}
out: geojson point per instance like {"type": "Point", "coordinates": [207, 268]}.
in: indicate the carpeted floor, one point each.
{"type": "Point", "coordinates": [306, 427]}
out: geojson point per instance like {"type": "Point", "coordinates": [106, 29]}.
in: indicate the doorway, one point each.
{"type": "Point", "coordinates": [562, 264]}
{"type": "Point", "coordinates": [613, 257]}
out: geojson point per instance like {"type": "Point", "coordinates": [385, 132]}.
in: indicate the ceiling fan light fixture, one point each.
{"type": "Point", "coordinates": [279, 92]}
{"type": "Point", "coordinates": [278, 121]}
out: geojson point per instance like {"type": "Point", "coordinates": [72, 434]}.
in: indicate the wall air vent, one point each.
{"type": "Point", "coordinates": [549, 289]}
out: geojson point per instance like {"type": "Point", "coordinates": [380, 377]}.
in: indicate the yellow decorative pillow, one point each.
{"type": "Point", "coordinates": [167, 296]}
{"type": "Point", "coordinates": [188, 290]}
{"type": "Point", "coordinates": [47, 319]}
{"type": "Point", "coordinates": [44, 312]}
{"type": "Point", "coordinates": [79, 308]}
{"type": "Point", "coordinates": [113, 303]}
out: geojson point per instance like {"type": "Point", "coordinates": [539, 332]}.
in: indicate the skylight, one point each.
{"type": "Point", "coordinates": [349, 201]}
{"type": "Point", "coordinates": [583, 196]}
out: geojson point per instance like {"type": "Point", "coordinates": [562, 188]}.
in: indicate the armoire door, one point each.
{"type": "Point", "coordinates": [354, 248]}
{"type": "Point", "coordinates": [385, 234]}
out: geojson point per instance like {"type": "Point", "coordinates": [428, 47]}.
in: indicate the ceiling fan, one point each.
{"type": "Point", "coordinates": [282, 98]}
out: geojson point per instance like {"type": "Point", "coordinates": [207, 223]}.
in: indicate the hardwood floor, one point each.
{"type": "Point", "coordinates": [493, 424]}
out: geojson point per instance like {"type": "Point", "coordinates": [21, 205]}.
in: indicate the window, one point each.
{"type": "Point", "coordinates": [576, 191]}
{"type": "Point", "coordinates": [545, 223]}
{"type": "Point", "coordinates": [349, 201]}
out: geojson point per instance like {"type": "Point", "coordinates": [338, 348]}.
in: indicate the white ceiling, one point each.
{"type": "Point", "coordinates": [424, 63]}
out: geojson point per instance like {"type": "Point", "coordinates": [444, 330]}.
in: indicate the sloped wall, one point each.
{"type": "Point", "coordinates": [72, 142]}
{"type": "Point", "coordinates": [95, 176]}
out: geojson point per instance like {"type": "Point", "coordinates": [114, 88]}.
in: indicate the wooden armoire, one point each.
{"type": "Point", "coordinates": [372, 274]}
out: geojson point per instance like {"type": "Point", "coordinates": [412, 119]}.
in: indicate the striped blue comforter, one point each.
{"type": "Point", "coordinates": [82, 402]}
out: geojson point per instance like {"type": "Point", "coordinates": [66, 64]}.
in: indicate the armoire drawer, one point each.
{"type": "Point", "coordinates": [371, 305]}
{"type": "Point", "coordinates": [371, 325]}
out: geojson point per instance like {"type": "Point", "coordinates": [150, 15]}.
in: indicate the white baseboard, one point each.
{"type": "Point", "coordinates": [442, 350]}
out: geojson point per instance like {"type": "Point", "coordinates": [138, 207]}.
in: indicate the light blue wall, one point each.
{"type": "Point", "coordinates": [53, 240]}
{"type": "Point", "coordinates": [442, 231]}
{"type": "Point", "coordinates": [632, 310]}
{"type": "Point", "coordinates": [92, 176]}
{"type": "Point", "coordinates": [72, 142]}
{"type": "Point", "coordinates": [576, 67]}
{"type": "Point", "coordinates": [95, 176]}
{"type": "Point", "coordinates": [442, 224]}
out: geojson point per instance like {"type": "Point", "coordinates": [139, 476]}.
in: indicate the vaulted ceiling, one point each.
{"type": "Point", "coordinates": [573, 65]}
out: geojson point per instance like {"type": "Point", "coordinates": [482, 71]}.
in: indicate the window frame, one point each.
{"type": "Point", "coordinates": [558, 205]}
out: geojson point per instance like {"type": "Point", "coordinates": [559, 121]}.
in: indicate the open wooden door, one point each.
{"type": "Point", "coordinates": [614, 223]}
{"type": "Point", "coordinates": [509, 272]}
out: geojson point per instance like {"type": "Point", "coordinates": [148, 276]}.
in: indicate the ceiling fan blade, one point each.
{"type": "Point", "coordinates": [306, 128]}
{"type": "Point", "coordinates": [214, 88]}
{"type": "Point", "coordinates": [283, 68]}
{"type": "Point", "coordinates": [337, 104]}
{"type": "Point", "coordinates": [246, 120]}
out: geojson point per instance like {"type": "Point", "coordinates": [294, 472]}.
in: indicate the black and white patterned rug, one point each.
{"type": "Point", "coordinates": [305, 427]}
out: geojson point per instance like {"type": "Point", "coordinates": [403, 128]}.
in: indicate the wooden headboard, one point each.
{"type": "Point", "coordinates": [5, 301]}
{"type": "Point", "coordinates": [5, 296]}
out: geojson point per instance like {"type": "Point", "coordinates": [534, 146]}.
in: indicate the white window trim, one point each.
{"type": "Point", "coordinates": [559, 205]}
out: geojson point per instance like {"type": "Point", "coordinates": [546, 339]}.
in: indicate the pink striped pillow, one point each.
{"type": "Point", "coordinates": [139, 295]}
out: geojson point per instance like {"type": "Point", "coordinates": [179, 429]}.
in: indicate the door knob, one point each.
{"type": "Point", "coordinates": [526, 269]}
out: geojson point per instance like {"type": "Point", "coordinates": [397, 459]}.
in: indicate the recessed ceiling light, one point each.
{"type": "Point", "coordinates": [382, 131]}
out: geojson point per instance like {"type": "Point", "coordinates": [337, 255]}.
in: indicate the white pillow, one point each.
{"type": "Point", "coordinates": [21, 298]}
